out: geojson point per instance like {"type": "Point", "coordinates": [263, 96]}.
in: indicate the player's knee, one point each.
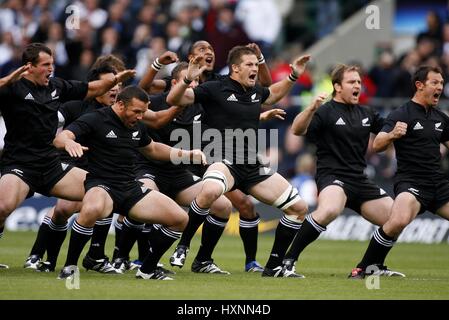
{"type": "Point", "coordinates": [92, 210]}
{"type": "Point", "coordinates": [291, 203]}
{"type": "Point", "coordinates": [208, 195]}
{"type": "Point", "coordinates": [221, 207]}
{"type": "Point", "coordinates": [245, 207]}
{"type": "Point", "coordinates": [60, 216]}
{"type": "Point", "coordinates": [397, 224]}
{"type": "Point", "coordinates": [5, 211]}
{"type": "Point", "coordinates": [179, 221]}
{"type": "Point", "coordinates": [330, 213]}
{"type": "Point", "coordinates": [215, 182]}
{"type": "Point", "coordinates": [300, 209]}
{"type": "Point", "coordinates": [64, 212]}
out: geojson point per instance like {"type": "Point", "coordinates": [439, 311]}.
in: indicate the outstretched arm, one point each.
{"type": "Point", "coordinates": [15, 75]}
{"type": "Point", "coordinates": [99, 87]}
{"type": "Point", "coordinates": [272, 114]}
{"type": "Point", "coordinates": [302, 120]}
{"type": "Point", "coordinates": [181, 94]}
{"type": "Point", "coordinates": [279, 89]}
{"type": "Point", "coordinates": [66, 140]}
{"type": "Point", "coordinates": [163, 152]}
{"type": "Point", "coordinates": [158, 119]}
{"type": "Point", "coordinates": [148, 83]}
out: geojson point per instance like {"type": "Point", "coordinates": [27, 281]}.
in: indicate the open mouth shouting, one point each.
{"type": "Point", "coordinates": [355, 96]}
{"type": "Point", "coordinates": [436, 97]}
{"type": "Point", "coordinates": [252, 78]}
{"type": "Point", "coordinates": [209, 60]}
{"type": "Point", "coordinates": [47, 78]}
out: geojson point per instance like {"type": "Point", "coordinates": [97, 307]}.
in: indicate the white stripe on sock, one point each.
{"type": "Point", "coordinates": [314, 224]}
{"type": "Point", "coordinates": [118, 224]}
{"type": "Point", "coordinates": [83, 230]}
{"type": "Point", "coordinates": [249, 224]}
{"type": "Point", "coordinates": [198, 210]}
{"type": "Point", "coordinates": [130, 224]}
{"type": "Point", "coordinates": [57, 227]}
{"type": "Point", "coordinates": [103, 222]}
{"type": "Point", "coordinates": [46, 220]}
{"type": "Point", "coordinates": [214, 221]}
{"type": "Point", "coordinates": [171, 233]}
{"type": "Point", "coordinates": [381, 240]}
{"type": "Point", "coordinates": [289, 223]}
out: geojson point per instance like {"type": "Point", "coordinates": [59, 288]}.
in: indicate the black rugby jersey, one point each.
{"type": "Point", "coordinates": [112, 146]}
{"type": "Point", "coordinates": [184, 123]}
{"type": "Point", "coordinates": [341, 133]}
{"type": "Point", "coordinates": [232, 110]}
{"type": "Point", "coordinates": [418, 152]}
{"type": "Point", "coordinates": [71, 111]}
{"type": "Point", "coordinates": [31, 118]}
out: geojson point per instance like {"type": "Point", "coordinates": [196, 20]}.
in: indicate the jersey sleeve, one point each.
{"type": "Point", "coordinates": [72, 89]}
{"type": "Point", "coordinates": [5, 91]}
{"type": "Point", "coordinates": [264, 93]}
{"type": "Point", "coordinates": [377, 122]}
{"type": "Point", "coordinates": [316, 125]}
{"type": "Point", "coordinates": [84, 125]}
{"type": "Point", "coordinates": [145, 138]}
{"type": "Point", "coordinates": [204, 92]}
{"type": "Point", "coordinates": [71, 111]}
{"type": "Point", "coordinates": [5, 94]}
{"type": "Point", "coordinates": [393, 117]}
{"type": "Point", "coordinates": [445, 133]}
{"type": "Point", "coordinates": [158, 102]}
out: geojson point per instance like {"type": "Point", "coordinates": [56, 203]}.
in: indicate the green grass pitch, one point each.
{"type": "Point", "coordinates": [324, 263]}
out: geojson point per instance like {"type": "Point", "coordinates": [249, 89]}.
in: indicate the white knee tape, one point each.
{"type": "Point", "coordinates": [217, 177]}
{"type": "Point", "coordinates": [288, 198]}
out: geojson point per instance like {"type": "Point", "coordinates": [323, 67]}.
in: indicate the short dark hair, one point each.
{"type": "Point", "coordinates": [422, 72]}
{"type": "Point", "coordinates": [130, 92]}
{"type": "Point", "coordinates": [110, 60]}
{"type": "Point", "coordinates": [95, 73]}
{"type": "Point", "coordinates": [338, 73]}
{"type": "Point", "coordinates": [177, 70]}
{"type": "Point", "coordinates": [236, 53]}
{"type": "Point", "coordinates": [31, 52]}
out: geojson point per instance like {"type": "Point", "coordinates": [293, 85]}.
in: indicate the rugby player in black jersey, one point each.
{"type": "Point", "coordinates": [233, 104]}
{"type": "Point", "coordinates": [176, 181]}
{"type": "Point", "coordinates": [112, 136]}
{"type": "Point", "coordinates": [341, 130]}
{"type": "Point", "coordinates": [30, 163]}
{"type": "Point", "coordinates": [53, 229]}
{"type": "Point", "coordinates": [416, 130]}
{"type": "Point", "coordinates": [192, 120]}
{"type": "Point", "coordinates": [249, 219]}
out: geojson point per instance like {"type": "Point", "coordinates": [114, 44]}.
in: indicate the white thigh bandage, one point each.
{"type": "Point", "coordinates": [217, 177]}
{"type": "Point", "coordinates": [288, 198]}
